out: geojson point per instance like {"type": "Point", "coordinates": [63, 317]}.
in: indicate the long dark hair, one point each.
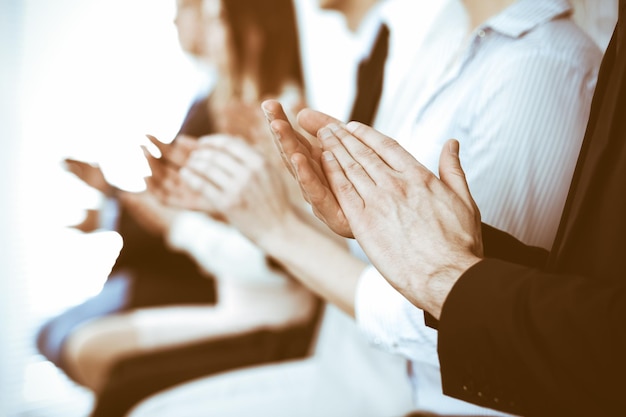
{"type": "Point", "coordinates": [280, 60]}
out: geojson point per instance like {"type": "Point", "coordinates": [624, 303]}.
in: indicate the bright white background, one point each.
{"type": "Point", "coordinates": [87, 79]}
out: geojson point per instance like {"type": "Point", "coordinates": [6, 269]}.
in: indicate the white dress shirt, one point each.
{"type": "Point", "coordinates": [517, 98]}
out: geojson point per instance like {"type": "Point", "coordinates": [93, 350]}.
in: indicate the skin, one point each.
{"type": "Point", "coordinates": [420, 231]}
{"type": "Point", "coordinates": [234, 180]}
{"type": "Point", "coordinates": [188, 24]}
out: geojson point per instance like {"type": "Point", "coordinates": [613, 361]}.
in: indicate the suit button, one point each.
{"type": "Point", "coordinates": [480, 394]}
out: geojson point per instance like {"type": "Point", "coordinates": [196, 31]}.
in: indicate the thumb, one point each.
{"type": "Point", "coordinates": [451, 173]}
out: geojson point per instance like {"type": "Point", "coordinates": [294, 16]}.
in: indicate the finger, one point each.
{"type": "Point", "coordinates": [312, 120]}
{"type": "Point", "coordinates": [375, 168]}
{"type": "Point", "coordinates": [236, 148]}
{"type": "Point", "coordinates": [76, 164]}
{"type": "Point", "coordinates": [155, 188]}
{"type": "Point", "coordinates": [352, 169]}
{"type": "Point", "coordinates": [313, 190]}
{"type": "Point", "coordinates": [181, 148]}
{"type": "Point", "coordinates": [169, 154]}
{"type": "Point", "coordinates": [161, 146]}
{"type": "Point", "coordinates": [217, 167]}
{"type": "Point", "coordinates": [320, 196]}
{"type": "Point", "coordinates": [210, 192]}
{"type": "Point", "coordinates": [451, 172]}
{"type": "Point", "coordinates": [79, 168]}
{"type": "Point", "coordinates": [273, 111]}
{"type": "Point", "coordinates": [281, 126]}
{"type": "Point", "coordinates": [192, 179]}
{"type": "Point", "coordinates": [287, 143]}
{"type": "Point", "coordinates": [387, 148]}
{"type": "Point", "coordinates": [344, 190]}
{"type": "Point", "coordinates": [157, 168]}
{"type": "Point", "coordinates": [172, 182]}
{"type": "Point", "coordinates": [290, 146]}
{"type": "Point", "coordinates": [204, 159]}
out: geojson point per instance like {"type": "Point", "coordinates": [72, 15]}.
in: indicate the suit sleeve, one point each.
{"type": "Point", "coordinates": [532, 343]}
{"type": "Point", "coordinates": [501, 245]}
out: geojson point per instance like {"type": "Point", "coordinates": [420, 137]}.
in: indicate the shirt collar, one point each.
{"type": "Point", "coordinates": [524, 15]}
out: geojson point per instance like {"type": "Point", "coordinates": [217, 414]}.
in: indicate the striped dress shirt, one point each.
{"type": "Point", "coordinates": [517, 97]}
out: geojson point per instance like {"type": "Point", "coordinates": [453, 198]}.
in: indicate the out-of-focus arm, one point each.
{"type": "Point", "coordinates": [221, 249]}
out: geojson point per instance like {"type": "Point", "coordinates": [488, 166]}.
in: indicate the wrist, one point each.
{"type": "Point", "coordinates": [439, 283]}
{"type": "Point", "coordinates": [276, 240]}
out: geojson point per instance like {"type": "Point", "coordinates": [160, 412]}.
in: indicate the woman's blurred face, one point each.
{"type": "Point", "coordinates": [188, 23]}
{"type": "Point", "coordinates": [215, 39]}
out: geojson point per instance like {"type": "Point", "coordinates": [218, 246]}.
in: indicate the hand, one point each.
{"type": "Point", "coordinates": [246, 121]}
{"type": "Point", "coordinates": [149, 212]}
{"type": "Point", "coordinates": [176, 153]}
{"type": "Point", "coordinates": [165, 183]}
{"type": "Point", "coordinates": [238, 182]}
{"type": "Point", "coordinates": [90, 174]}
{"type": "Point", "coordinates": [303, 159]}
{"type": "Point", "coordinates": [421, 232]}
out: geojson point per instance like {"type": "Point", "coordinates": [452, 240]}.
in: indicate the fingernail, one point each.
{"type": "Point", "coordinates": [334, 127]}
{"type": "Point", "coordinates": [351, 126]}
{"type": "Point", "coordinates": [325, 133]}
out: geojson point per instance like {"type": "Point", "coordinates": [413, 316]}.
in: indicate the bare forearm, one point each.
{"type": "Point", "coordinates": [319, 261]}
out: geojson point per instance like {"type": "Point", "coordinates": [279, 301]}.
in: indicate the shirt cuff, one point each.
{"type": "Point", "coordinates": [222, 250]}
{"type": "Point", "coordinates": [390, 322]}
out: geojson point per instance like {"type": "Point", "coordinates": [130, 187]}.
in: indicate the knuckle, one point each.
{"type": "Point", "coordinates": [366, 153]}
{"type": "Point", "coordinates": [344, 188]}
{"type": "Point", "coordinates": [389, 143]}
{"type": "Point", "coordinates": [352, 166]}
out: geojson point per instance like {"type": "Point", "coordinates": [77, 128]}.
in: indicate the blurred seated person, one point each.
{"type": "Point", "coordinates": [169, 294]}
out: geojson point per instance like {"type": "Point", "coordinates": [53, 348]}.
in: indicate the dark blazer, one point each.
{"type": "Point", "coordinates": [545, 335]}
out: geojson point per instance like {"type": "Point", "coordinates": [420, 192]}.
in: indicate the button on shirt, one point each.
{"type": "Point", "coordinates": [517, 98]}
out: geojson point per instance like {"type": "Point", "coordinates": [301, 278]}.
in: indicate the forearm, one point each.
{"type": "Point", "coordinates": [320, 262]}
{"type": "Point", "coordinates": [220, 249]}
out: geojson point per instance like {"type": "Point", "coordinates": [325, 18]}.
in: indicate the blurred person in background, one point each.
{"type": "Point", "coordinates": [173, 307]}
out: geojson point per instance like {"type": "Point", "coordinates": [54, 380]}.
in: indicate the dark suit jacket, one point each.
{"type": "Point", "coordinates": [540, 335]}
